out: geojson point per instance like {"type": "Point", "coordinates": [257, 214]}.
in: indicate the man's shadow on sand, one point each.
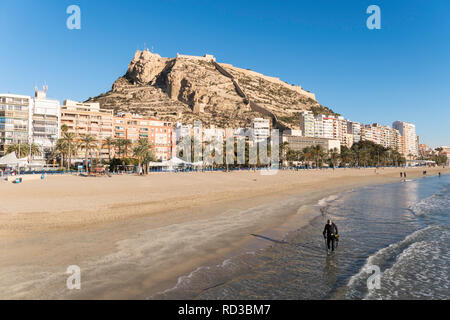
{"type": "Point", "coordinates": [269, 239]}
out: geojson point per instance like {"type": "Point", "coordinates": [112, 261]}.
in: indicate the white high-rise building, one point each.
{"type": "Point", "coordinates": [261, 129]}
{"type": "Point", "coordinates": [354, 128]}
{"type": "Point", "coordinates": [329, 126]}
{"type": "Point", "coordinates": [341, 133]}
{"type": "Point", "coordinates": [15, 113]}
{"type": "Point", "coordinates": [318, 127]}
{"type": "Point", "coordinates": [409, 137]}
{"type": "Point", "coordinates": [45, 121]}
{"type": "Point", "coordinates": [24, 119]}
{"type": "Point", "coordinates": [307, 124]}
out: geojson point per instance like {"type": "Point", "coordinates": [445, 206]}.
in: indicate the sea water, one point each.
{"type": "Point", "coordinates": [403, 229]}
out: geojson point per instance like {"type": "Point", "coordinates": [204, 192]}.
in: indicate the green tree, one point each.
{"type": "Point", "coordinates": [88, 142]}
{"type": "Point", "coordinates": [22, 150]}
{"type": "Point", "coordinates": [334, 157]}
{"type": "Point", "coordinates": [68, 140]}
{"type": "Point", "coordinates": [110, 143]}
{"type": "Point", "coordinates": [143, 152]}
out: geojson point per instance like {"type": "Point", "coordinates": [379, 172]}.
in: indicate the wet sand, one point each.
{"type": "Point", "coordinates": [134, 236]}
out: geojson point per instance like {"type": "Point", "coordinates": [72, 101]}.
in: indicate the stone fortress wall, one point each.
{"type": "Point", "coordinates": [210, 58]}
{"type": "Point", "coordinates": [298, 89]}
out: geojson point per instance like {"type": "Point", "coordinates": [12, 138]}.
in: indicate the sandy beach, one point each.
{"type": "Point", "coordinates": [134, 236]}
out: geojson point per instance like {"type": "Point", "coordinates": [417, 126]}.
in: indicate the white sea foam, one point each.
{"type": "Point", "coordinates": [435, 203]}
{"type": "Point", "coordinates": [378, 257]}
{"type": "Point", "coordinates": [325, 201]}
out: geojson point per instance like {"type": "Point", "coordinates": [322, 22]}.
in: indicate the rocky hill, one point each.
{"type": "Point", "coordinates": [188, 88]}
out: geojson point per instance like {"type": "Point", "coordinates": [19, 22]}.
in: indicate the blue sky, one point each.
{"type": "Point", "coordinates": [401, 72]}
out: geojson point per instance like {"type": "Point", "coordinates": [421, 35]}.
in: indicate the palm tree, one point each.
{"type": "Point", "coordinates": [22, 150]}
{"type": "Point", "coordinates": [318, 154]}
{"type": "Point", "coordinates": [109, 143]}
{"type": "Point", "coordinates": [142, 151]}
{"type": "Point", "coordinates": [126, 143]}
{"type": "Point", "coordinates": [123, 145]}
{"type": "Point", "coordinates": [88, 142]}
{"type": "Point", "coordinates": [308, 154]}
{"type": "Point", "coordinates": [69, 139]}
{"type": "Point", "coordinates": [334, 156]}
{"type": "Point", "coordinates": [35, 150]}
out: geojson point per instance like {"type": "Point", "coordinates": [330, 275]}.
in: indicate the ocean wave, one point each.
{"type": "Point", "coordinates": [436, 203]}
{"type": "Point", "coordinates": [327, 200]}
{"type": "Point", "coordinates": [420, 271]}
{"type": "Point", "coordinates": [383, 257]}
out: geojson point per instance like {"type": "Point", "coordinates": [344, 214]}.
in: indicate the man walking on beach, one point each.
{"type": "Point", "coordinates": [330, 233]}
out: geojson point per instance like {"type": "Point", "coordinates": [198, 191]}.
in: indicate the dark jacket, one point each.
{"type": "Point", "coordinates": [330, 230]}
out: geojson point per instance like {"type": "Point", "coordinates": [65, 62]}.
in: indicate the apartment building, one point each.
{"type": "Point", "coordinates": [261, 129]}
{"type": "Point", "coordinates": [297, 143]}
{"type": "Point", "coordinates": [45, 122]}
{"type": "Point", "coordinates": [134, 127]}
{"type": "Point", "coordinates": [354, 128]}
{"type": "Point", "coordinates": [14, 120]}
{"type": "Point", "coordinates": [341, 133]}
{"type": "Point", "coordinates": [307, 122]}
{"type": "Point", "coordinates": [325, 127]}
{"type": "Point", "coordinates": [88, 118]}
{"type": "Point", "coordinates": [409, 137]}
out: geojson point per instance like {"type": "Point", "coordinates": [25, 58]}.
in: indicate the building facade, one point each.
{"type": "Point", "coordinates": [409, 138]}
{"type": "Point", "coordinates": [88, 118]}
{"type": "Point", "coordinates": [261, 129]}
{"type": "Point", "coordinates": [297, 143]}
{"type": "Point", "coordinates": [354, 128]}
{"type": "Point", "coordinates": [15, 113]}
{"type": "Point", "coordinates": [44, 122]}
{"type": "Point", "coordinates": [307, 123]}
{"type": "Point", "coordinates": [134, 127]}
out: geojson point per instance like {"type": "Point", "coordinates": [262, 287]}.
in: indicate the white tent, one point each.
{"type": "Point", "coordinates": [10, 160]}
{"type": "Point", "coordinates": [174, 162]}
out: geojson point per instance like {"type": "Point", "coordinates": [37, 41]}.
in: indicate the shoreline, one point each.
{"type": "Point", "coordinates": [124, 226]}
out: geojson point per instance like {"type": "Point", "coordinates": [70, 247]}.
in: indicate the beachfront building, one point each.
{"type": "Point", "coordinates": [341, 133]}
{"type": "Point", "coordinates": [424, 150]}
{"type": "Point", "coordinates": [324, 127]}
{"type": "Point", "coordinates": [87, 118]}
{"type": "Point", "coordinates": [180, 130]}
{"type": "Point", "coordinates": [261, 129]}
{"type": "Point", "coordinates": [409, 138]}
{"type": "Point", "coordinates": [354, 128]}
{"type": "Point", "coordinates": [444, 150]}
{"type": "Point", "coordinates": [397, 140]}
{"type": "Point", "coordinates": [14, 120]}
{"type": "Point", "coordinates": [298, 143]}
{"type": "Point", "coordinates": [307, 123]}
{"type": "Point", "coordinates": [45, 122]}
{"type": "Point", "coordinates": [134, 127]}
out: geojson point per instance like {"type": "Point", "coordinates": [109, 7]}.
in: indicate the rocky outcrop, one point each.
{"type": "Point", "coordinates": [144, 67]}
{"type": "Point", "coordinates": [188, 88]}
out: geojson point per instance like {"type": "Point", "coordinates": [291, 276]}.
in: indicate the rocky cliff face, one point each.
{"type": "Point", "coordinates": [188, 88]}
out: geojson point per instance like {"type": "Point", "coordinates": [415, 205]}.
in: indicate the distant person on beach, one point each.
{"type": "Point", "coordinates": [330, 233]}
{"type": "Point", "coordinates": [439, 174]}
